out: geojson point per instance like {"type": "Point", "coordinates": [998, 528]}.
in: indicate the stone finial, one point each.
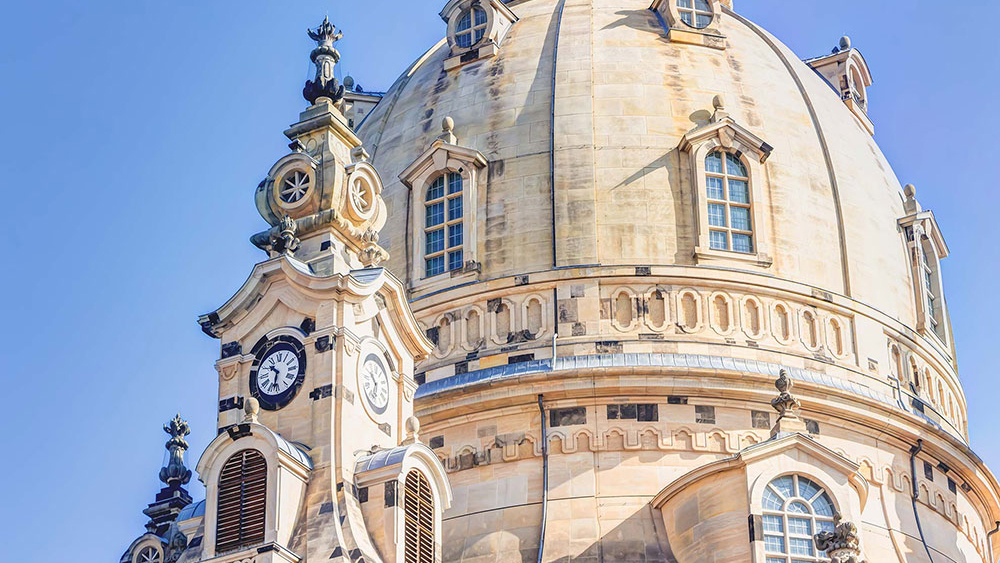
{"type": "Point", "coordinates": [175, 474]}
{"type": "Point", "coordinates": [251, 409]}
{"type": "Point", "coordinates": [845, 43]}
{"type": "Point", "coordinates": [911, 205]}
{"type": "Point", "coordinates": [283, 239]}
{"type": "Point", "coordinates": [412, 427]}
{"type": "Point", "coordinates": [787, 407]}
{"type": "Point", "coordinates": [325, 56]}
{"type": "Point", "coordinates": [843, 544]}
{"type": "Point", "coordinates": [719, 104]}
{"type": "Point", "coordinates": [448, 131]}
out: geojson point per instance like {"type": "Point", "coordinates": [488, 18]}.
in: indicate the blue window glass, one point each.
{"type": "Point", "coordinates": [455, 260]}
{"type": "Point", "coordinates": [715, 190]}
{"type": "Point", "coordinates": [716, 215]}
{"type": "Point", "coordinates": [800, 526]}
{"type": "Point", "coordinates": [775, 560]}
{"type": "Point", "coordinates": [798, 508]}
{"type": "Point", "coordinates": [771, 500]}
{"type": "Point", "coordinates": [807, 489]}
{"type": "Point", "coordinates": [435, 214]}
{"type": "Point", "coordinates": [454, 209]}
{"type": "Point", "coordinates": [784, 486]}
{"type": "Point", "coordinates": [454, 183]}
{"type": "Point", "coordinates": [465, 22]}
{"type": "Point", "coordinates": [739, 191]}
{"type": "Point", "coordinates": [454, 235]}
{"type": "Point", "coordinates": [436, 190]}
{"type": "Point", "coordinates": [801, 546]}
{"type": "Point", "coordinates": [774, 523]}
{"type": "Point", "coordinates": [718, 240]}
{"type": "Point", "coordinates": [823, 506]}
{"type": "Point", "coordinates": [740, 217]}
{"type": "Point", "coordinates": [774, 544]}
{"type": "Point", "coordinates": [713, 163]}
{"type": "Point", "coordinates": [702, 5]}
{"type": "Point", "coordinates": [481, 16]}
{"type": "Point", "coordinates": [435, 241]}
{"type": "Point", "coordinates": [684, 4]}
{"type": "Point", "coordinates": [435, 265]}
{"type": "Point", "coordinates": [742, 243]}
{"type": "Point", "coordinates": [734, 167]}
{"type": "Point", "coordinates": [824, 526]}
{"type": "Point", "coordinates": [702, 21]}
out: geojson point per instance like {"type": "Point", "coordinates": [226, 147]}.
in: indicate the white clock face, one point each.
{"type": "Point", "coordinates": [375, 383]}
{"type": "Point", "coordinates": [277, 372]}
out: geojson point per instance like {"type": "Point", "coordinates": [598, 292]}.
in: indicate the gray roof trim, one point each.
{"type": "Point", "coordinates": [887, 397]}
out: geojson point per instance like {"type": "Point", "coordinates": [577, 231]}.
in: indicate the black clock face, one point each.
{"type": "Point", "coordinates": [279, 368]}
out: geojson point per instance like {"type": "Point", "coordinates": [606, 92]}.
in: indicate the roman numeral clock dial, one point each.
{"type": "Point", "coordinates": [278, 371]}
{"type": "Point", "coordinates": [375, 383]}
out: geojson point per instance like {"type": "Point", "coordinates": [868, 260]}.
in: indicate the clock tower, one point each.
{"type": "Point", "coordinates": [317, 448]}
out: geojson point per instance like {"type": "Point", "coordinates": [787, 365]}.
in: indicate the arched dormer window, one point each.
{"type": "Point", "coordinates": [418, 519]}
{"type": "Point", "coordinates": [695, 13]}
{"type": "Point", "coordinates": [242, 502]}
{"type": "Point", "coordinates": [726, 163]}
{"type": "Point", "coordinates": [476, 28]}
{"type": "Point", "coordinates": [443, 229]}
{"type": "Point", "coordinates": [926, 248]}
{"type": "Point", "coordinates": [727, 186]}
{"type": "Point", "coordinates": [795, 509]}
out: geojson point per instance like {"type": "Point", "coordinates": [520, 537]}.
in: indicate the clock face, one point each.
{"type": "Point", "coordinates": [375, 383]}
{"type": "Point", "coordinates": [278, 371]}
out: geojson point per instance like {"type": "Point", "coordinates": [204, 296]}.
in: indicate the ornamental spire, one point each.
{"type": "Point", "coordinates": [325, 56]}
{"type": "Point", "coordinates": [175, 473]}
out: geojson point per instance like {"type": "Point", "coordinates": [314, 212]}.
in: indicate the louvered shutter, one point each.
{"type": "Point", "coordinates": [242, 501]}
{"type": "Point", "coordinates": [418, 514]}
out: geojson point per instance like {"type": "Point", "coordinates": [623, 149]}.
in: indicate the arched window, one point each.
{"type": "Point", "coordinates": [728, 190]}
{"type": "Point", "coordinates": [471, 27]}
{"type": "Point", "coordinates": [696, 13]}
{"type": "Point", "coordinates": [242, 502]}
{"type": "Point", "coordinates": [418, 516]}
{"type": "Point", "coordinates": [443, 225]}
{"type": "Point", "coordinates": [148, 555]}
{"type": "Point", "coordinates": [795, 509]}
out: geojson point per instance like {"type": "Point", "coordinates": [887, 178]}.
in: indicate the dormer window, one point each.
{"type": "Point", "coordinates": [925, 247]}
{"type": "Point", "coordinates": [476, 28]}
{"type": "Point", "coordinates": [726, 164]}
{"type": "Point", "coordinates": [242, 502]}
{"type": "Point", "coordinates": [846, 71]}
{"type": "Point", "coordinates": [696, 13]}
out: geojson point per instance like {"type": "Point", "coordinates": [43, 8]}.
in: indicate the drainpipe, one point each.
{"type": "Point", "coordinates": [545, 478]}
{"type": "Point", "coordinates": [555, 336]}
{"type": "Point", "coordinates": [916, 493]}
{"type": "Point", "coordinates": [989, 543]}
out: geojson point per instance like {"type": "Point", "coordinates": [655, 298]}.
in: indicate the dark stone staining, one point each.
{"type": "Point", "coordinates": [461, 367]}
{"type": "Point", "coordinates": [704, 414]}
{"type": "Point", "coordinates": [576, 291]}
{"type": "Point", "coordinates": [420, 378]}
{"type": "Point", "coordinates": [321, 392]}
{"type": "Point", "coordinates": [231, 349]}
{"type": "Point", "coordinates": [645, 412]}
{"type": "Point", "coordinates": [521, 280]}
{"type": "Point", "coordinates": [238, 431]}
{"type": "Point", "coordinates": [436, 442]}
{"type": "Point", "coordinates": [761, 420]}
{"type": "Point", "coordinates": [495, 169]}
{"type": "Point", "coordinates": [384, 427]}
{"type": "Point", "coordinates": [568, 311]}
{"type": "Point", "coordinates": [389, 495]}
{"type": "Point", "coordinates": [326, 507]}
{"type": "Point", "coordinates": [811, 426]}
{"type": "Point", "coordinates": [325, 245]}
{"type": "Point", "coordinates": [323, 344]}
{"type": "Point", "coordinates": [952, 486]}
{"type": "Point", "coordinates": [363, 495]}
{"type": "Point", "coordinates": [579, 329]}
{"type": "Point", "coordinates": [337, 552]}
{"type": "Point", "coordinates": [677, 400]}
{"type": "Point", "coordinates": [605, 309]}
{"type": "Point", "coordinates": [570, 416]}
{"type": "Point", "coordinates": [493, 304]}
{"type": "Point", "coordinates": [928, 471]}
{"type": "Point", "coordinates": [433, 334]}
{"type": "Point", "coordinates": [643, 271]}
{"type": "Point", "coordinates": [520, 358]}
{"type": "Point", "coordinates": [609, 347]}
{"type": "Point", "coordinates": [520, 336]}
{"type": "Point", "coordinates": [650, 336]}
{"type": "Point", "coordinates": [230, 403]}
{"type": "Point", "coordinates": [308, 326]}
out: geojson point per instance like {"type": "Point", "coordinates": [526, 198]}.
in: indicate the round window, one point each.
{"type": "Point", "coordinates": [695, 13]}
{"type": "Point", "coordinates": [148, 555]}
{"type": "Point", "coordinates": [294, 186]}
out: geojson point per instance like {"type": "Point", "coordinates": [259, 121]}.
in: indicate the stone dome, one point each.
{"type": "Point", "coordinates": [588, 219]}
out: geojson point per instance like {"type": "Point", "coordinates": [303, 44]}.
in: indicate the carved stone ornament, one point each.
{"type": "Point", "coordinates": [175, 473]}
{"type": "Point", "coordinates": [283, 240]}
{"type": "Point", "coordinates": [843, 545]}
{"type": "Point", "coordinates": [786, 404]}
{"type": "Point", "coordinates": [372, 254]}
{"type": "Point", "coordinates": [178, 543]}
{"type": "Point", "coordinates": [325, 56]}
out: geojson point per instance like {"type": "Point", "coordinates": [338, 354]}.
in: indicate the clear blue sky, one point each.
{"type": "Point", "coordinates": [138, 131]}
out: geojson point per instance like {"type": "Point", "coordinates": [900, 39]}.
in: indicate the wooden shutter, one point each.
{"type": "Point", "coordinates": [418, 514]}
{"type": "Point", "coordinates": [242, 502]}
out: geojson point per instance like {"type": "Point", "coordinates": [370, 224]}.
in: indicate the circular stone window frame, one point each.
{"type": "Point", "coordinates": [366, 175]}
{"type": "Point", "coordinates": [488, 32]}
{"type": "Point", "coordinates": [279, 182]}
{"type": "Point", "coordinates": [675, 15]}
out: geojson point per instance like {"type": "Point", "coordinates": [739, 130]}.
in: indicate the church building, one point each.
{"type": "Point", "coordinates": [596, 281]}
